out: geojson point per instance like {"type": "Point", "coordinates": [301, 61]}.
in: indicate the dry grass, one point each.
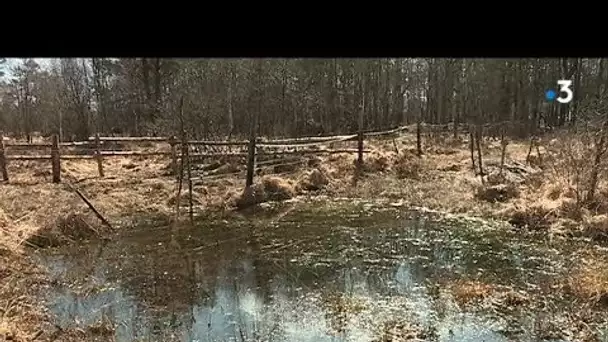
{"type": "Point", "coordinates": [313, 180]}
{"type": "Point", "coordinates": [442, 179]}
{"type": "Point", "coordinates": [410, 166]}
{"type": "Point", "coordinates": [596, 227]}
{"type": "Point", "coordinates": [74, 226]}
{"type": "Point", "coordinates": [277, 189]}
{"type": "Point", "coordinates": [20, 313]}
{"type": "Point", "coordinates": [466, 292]}
{"type": "Point", "coordinates": [378, 161]}
{"type": "Point", "coordinates": [589, 281]}
{"type": "Point", "coordinates": [535, 215]}
{"type": "Point", "coordinates": [497, 193]}
{"type": "Point", "coordinates": [398, 330]}
{"type": "Point", "coordinates": [267, 189]}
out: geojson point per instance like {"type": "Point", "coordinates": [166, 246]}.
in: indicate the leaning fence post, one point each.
{"type": "Point", "coordinates": [98, 155]}
{"type": "Point", "coordinates": [55, 160]}
{"type": "Point", "coordinates": [3, 159]}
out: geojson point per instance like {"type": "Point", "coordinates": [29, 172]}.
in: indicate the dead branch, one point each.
{"type": "Point", "coordinates": [90, 205]}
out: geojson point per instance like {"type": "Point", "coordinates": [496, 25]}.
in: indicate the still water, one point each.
{"type": "Point", "coordinates": [314, 272]}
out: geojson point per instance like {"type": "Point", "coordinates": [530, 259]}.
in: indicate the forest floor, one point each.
{"type": "Point", "coordinates": [35, 212]}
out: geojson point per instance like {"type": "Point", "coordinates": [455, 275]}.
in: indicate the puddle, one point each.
{"type": "Point", "coordinates": [349, 273]}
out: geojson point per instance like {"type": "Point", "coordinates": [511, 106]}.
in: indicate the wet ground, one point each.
{"type": "Point", "coordinates": [321, 272]}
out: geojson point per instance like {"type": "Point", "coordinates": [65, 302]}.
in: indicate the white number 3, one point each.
{"type": "Point", "coordinates": [565, 88]}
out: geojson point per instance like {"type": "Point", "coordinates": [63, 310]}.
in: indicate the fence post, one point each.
{"type": "Point", "coordinates": [173, 154]}
{"type": "Point", "coordinates": [479, 136]}
{"type": "Point", "coordinates": [186, 155]}
{"type": "Point", "coordinates": [360, 134]}
{"type": "Point", "coordinates": [98, 155]}
{"type": "Point", "coordinates": [3, 159]}
{"type": "Point", "coordinates": [250, 160]}
{"type": "Point", "coordinates": [252, 147]}
{"type": "Point", "coordinates": [360, 148]}
{"type": "Point", "coordinates": [55, 160]}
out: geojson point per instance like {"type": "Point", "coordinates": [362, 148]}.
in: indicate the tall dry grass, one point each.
{"type": "Point", "coordinates": [588, 279]}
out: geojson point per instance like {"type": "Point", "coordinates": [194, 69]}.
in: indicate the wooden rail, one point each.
{"type": "Point", "coordinates": [131, 139]}
{"type": "Point", "coordinates": [217, 143]}
{"type": "Point", "coordinates": [260, 147]}
{"type": "Point", "coordinates": [29, 145]}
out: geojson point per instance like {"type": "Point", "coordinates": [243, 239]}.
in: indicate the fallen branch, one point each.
{"type": "Point", "coordinates": [36, 335]}
{"type": "Point", "coordinates": [90, 205]}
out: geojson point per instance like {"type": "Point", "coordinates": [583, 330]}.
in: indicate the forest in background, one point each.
{"type": "Point", "coordinates": [292, 97]}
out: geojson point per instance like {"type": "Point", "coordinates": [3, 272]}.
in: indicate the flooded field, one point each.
{"type": "Point", "coordinates": [323, 272]}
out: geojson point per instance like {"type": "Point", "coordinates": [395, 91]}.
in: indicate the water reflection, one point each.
{"type": "Point", "coordinates": [307, 278]}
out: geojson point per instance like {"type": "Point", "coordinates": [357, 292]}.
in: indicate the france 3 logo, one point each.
{"type": "Point", "coordinates": [564, 88]}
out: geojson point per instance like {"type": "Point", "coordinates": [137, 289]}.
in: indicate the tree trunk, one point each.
{"type": "Point", "coordinates": [594, 177]}
{"type": "Point", "coordinates": [600, 78]}
{"type": "Point", "coordinates": [230, 90]}
{"type": "Point", "coordinates": [157, 88]}
{"type": "Point", "coordinates": [430, 93]}
{"type": "Point", "coordinates": [386, 100]}
{"type": "Point", "coordinates": [145, 68]}
{"type": "Point", "coordinates": [576, 87]}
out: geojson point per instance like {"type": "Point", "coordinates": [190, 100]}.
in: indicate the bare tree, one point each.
{"type": "Point", "coordinates": [77, 94]}
{"type": "Point", "coordinates": [302, 96]}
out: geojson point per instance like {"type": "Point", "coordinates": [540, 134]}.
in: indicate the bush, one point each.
{"type": "Point", "coordinates": [277, 189]}
{"type": "Point", "coordinates": [596, 228]}
{"type": "Point", "coordinates": [313, 181]}
{"type": "Point", "coordinates": [534, 216]}
{"type": "Point", "coordinates": [497, 193]}
{"type": "Point", "coordinates": [376, 162]}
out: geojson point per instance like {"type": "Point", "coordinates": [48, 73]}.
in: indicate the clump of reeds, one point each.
{"type": "Point", "coordinates": [313, 180]}
{"type": "Point", "coordinates": [409, 166]}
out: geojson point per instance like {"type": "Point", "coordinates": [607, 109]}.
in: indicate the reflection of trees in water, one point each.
{"type": "Point", "coordinates": [179, 285]}
{"type": "Point", "coordinates": [245, 289]}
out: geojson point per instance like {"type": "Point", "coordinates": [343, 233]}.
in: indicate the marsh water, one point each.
{"type": "Point", "coordinates": [327, 271]}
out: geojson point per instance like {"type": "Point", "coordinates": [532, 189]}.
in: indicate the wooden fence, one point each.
{"type": "Point", "coordinates": [201, 149]}
{"type": "Point", "coordinates": [94, 148]}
